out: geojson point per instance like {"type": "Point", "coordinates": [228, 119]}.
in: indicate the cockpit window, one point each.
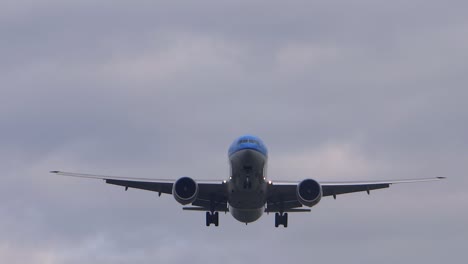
{"type": "Point", "coordinates": [252, 141]}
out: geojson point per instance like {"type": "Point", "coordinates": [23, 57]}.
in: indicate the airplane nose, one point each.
{"type": "Point", "coordinates": [249, 153]}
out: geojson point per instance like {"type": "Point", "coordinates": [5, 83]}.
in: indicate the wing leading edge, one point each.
{"type": "Point", "coordinates": [282, 195]}
{"type": "Point", "coordinates": [336, 188]}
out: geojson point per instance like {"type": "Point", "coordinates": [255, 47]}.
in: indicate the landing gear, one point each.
{"type": "Point", "coordinates": [281, 219]}
{"type": "Point", "coordinates": [247, 183]}
{"type": "Point", "coordinates": [212, 218]}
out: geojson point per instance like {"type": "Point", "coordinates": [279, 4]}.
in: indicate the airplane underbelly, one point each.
{"type": "Point", "coordinates": [246, 215]}
{"type": "Point", "coordinates": [247, 186]}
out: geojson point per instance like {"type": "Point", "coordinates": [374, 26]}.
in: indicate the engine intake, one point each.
{"type": "Point", "coordinates": [309, 192]}
{"type": "Point", "coordinates": [185, 190]}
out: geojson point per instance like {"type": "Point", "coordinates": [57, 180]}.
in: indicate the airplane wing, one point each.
{"type": "Point", "coordinates": [211, 193]}
{"type": "Point", "coordinates": [282, 195]}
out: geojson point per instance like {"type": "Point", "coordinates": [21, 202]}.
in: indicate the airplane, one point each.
{"type": "Point", "coordinates": [247, 193]}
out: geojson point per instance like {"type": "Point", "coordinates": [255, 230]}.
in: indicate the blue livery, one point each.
{"type": "Point", "coordinates": [248, 142]}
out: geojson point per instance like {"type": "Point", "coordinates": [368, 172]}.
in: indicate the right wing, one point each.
{"type": "Point", "coordinates": [282, 195]}
{"type": "Point", "coordinates": [336, 188]}
{"type": "Point", "coordinates": [211, 194]}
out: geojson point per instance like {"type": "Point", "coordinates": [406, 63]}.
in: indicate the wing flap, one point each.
{"type": "Point", "coordinates": [160, 187]}
{"type": "Point", "coordinates": [328, 190]}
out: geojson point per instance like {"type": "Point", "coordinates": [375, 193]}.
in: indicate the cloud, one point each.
{"type": "Point", "coordinates": [302, 56]}
{"type": "Point", "coordinates": [338, 91]}
{"type": "Point", "coordinates": [339, 161]}
{"type": "Point", "coordinates": [173, 57]}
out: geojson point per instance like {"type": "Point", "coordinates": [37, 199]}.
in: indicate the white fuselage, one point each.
{"type": "Point", "coordinates": [247, 186]}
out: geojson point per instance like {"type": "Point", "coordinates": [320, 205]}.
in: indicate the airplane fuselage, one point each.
{"type": "Point", "coordinates": [247, 184]}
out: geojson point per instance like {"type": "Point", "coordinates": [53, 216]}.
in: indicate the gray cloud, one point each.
{"type": "Point", "coordinates": [362, 90]}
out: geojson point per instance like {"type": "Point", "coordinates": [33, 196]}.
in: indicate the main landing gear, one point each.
{"type": "Point", "coordinates": [281, 219]}
{"type": "Point", "coordinates": [212, 218]}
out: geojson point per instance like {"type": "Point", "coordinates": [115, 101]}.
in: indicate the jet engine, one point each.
{"type": "Point", "coordinates": [185, 190]}
{"type": "Point", "coordinates": [309, 192]}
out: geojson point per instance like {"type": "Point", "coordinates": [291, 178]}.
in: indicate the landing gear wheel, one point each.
{"type": "Point", "coordinates": [215, 219]}
{"type": "Point", "coordinates": [208, 218]}
{"type": "Point", "coordinates": [277, 221]}
{"type": "Point", "coordinates": [281, 219]}
{"type": "Point", "coordinates": [285, 220]}
{"type": "Point", "coordinates": [212, 218]}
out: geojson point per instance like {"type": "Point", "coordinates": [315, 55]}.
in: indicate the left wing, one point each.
{"type": "Point", "coordinates": [282, 195]}
{"type": "Point", "coordinates": [211, 194]}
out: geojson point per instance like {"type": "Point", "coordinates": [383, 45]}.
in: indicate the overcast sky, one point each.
{"type": "Point", "coordinates": [338, 90]}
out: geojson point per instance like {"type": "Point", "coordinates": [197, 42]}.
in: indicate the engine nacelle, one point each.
{"type": "Point", "coordinates": [309, 192]}
{"type": "Point", "coordinates": [185, 190]}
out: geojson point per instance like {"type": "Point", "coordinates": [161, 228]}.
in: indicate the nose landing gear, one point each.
{"type": "Point", "coordinates": [247, 183]}
{"type": "Point", "coordinates": [281, 219]}
{"type": "Point", "coordinates": [212, 218]}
